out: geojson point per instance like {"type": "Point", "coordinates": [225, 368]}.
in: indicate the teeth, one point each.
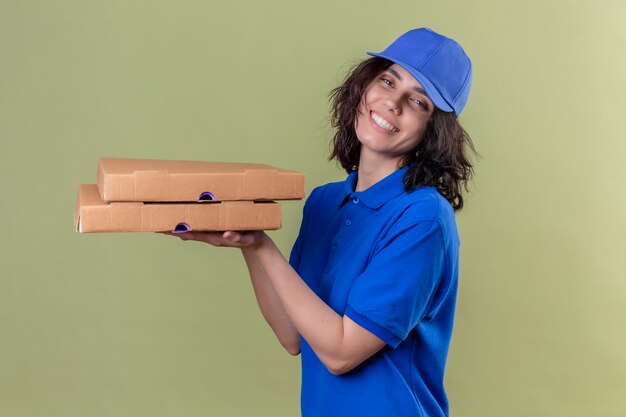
{"type": "Point", "coordinates": [383, 123]}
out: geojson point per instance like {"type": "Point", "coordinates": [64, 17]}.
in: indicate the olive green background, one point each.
{"type": "Point", "coordinates": [147, 325]}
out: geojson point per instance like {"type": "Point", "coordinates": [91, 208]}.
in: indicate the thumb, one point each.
{"type": "Point", "coordinates": [232, 236]}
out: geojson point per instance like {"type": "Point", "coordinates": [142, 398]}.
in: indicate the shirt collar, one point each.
{"type": "Point", "coordinates": [378, 194]}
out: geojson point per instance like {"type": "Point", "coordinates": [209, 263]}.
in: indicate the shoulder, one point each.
{"type": "Point", "coordinates": [329, 189]}
{"type": "Point", "coordinates": [329, 193]}
{"type": "Point", "coordinates": [426, 205]}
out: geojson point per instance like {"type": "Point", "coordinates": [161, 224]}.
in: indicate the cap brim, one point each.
{"type": "Point", "coordinates": [431, 91]}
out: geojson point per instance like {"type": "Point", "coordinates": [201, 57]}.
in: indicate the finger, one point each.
{"type": "Point", "coordinates": [232, 236]}
{"type": "Point", "coordinates": [187, 235]}
{"type": "Point", "coordinates": [214, 238]}
{"type": "Point", "coordinates": [244, 238]}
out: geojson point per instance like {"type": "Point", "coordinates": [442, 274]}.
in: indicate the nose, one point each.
{"type": "Point", "coordinates": [392, 101]}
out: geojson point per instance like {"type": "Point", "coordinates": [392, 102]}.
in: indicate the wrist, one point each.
{"type": "Point", "coordinates": [260, 242]}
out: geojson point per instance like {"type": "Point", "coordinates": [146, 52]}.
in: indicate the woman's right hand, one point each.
{"type": "Point", "coordinates": [231, 239]}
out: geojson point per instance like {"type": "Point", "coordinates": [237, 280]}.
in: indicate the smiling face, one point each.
{"type": "Point", "coordinates": [393, 115]}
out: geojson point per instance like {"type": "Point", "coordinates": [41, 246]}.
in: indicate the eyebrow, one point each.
{"type": "Point", "coordinates": [416, 88]}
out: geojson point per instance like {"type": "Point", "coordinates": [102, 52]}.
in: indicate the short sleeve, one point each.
{"type": "Point", "coordinates": [394, 292]}
{"type": "Point", "coordinates": [296, 249]}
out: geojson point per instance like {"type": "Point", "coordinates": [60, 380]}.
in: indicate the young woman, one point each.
{"type": "Point", "coordinates": [368, 295]}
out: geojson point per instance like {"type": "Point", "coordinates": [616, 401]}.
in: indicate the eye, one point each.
{"type": "Point", "coordinates": [386, 81]}
{"type": "Point", "coordinates": [419, 102]}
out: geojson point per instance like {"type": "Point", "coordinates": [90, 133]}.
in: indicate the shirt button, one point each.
{"type": "Point", "coordinates": [355, 200]}
{"type": "Point", "coordinates": [348, 222]}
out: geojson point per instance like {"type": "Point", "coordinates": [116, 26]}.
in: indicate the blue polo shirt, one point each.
{"type": "Point", "coordinates": [387, 259]}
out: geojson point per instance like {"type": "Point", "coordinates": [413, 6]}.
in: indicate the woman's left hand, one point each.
{"type": "Point", "coordinates": [247, 240]}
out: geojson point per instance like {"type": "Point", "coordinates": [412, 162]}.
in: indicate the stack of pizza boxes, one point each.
{"type": "Point", "coordinates": [149, 195]}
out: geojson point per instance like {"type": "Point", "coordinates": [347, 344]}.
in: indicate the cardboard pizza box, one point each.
{"type": "Point", "coordinates": [126, 179]}
{"type": "Point", "coordinates": [92, 214]}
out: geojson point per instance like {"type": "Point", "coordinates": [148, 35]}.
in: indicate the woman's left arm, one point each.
{"type": "Point", "coordinates": [338, 342]}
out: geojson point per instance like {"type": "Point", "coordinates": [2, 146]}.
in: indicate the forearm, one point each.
{"type": "Point", "coordinates": [270, 305]}
{"type": "Point", "coordinates": [320, 325]}
{"type": "Point", "coordinates": [291, 308]}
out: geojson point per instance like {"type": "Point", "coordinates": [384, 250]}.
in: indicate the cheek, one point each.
{"type": "Point", "coordinates": [420, 136]}
{"type": "Point", "coordinates": [421, 125]}
{"type": "Point", "coordinates": [361, 118]}
{"type": "Point", "coordinates": [421, 133]}
{"type": "Point", "coordinates": [415, 138]}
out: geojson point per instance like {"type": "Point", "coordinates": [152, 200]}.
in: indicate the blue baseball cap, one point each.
{"type": "Point", "coordinates": [437, 62]}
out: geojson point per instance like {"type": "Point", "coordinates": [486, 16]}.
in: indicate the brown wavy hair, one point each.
{"type": "Point", "coordinates": [439, 160]}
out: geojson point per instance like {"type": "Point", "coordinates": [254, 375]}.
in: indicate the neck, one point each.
{"type": "Point", "coordinates": [373, 168]}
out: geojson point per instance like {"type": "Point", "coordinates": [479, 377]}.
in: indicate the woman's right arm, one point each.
{"type": "Point", "coordinates": [271, 306]}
